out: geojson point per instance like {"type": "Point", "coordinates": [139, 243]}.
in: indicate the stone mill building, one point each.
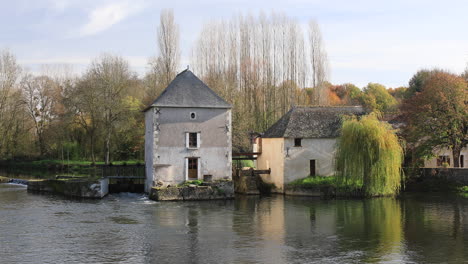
{"type": "Point", "coordinates": [301, 143]}
{"type": "Point", "coordinates": [187, 134]}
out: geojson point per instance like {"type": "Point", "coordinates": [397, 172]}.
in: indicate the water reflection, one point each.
{"type": "Point", "coordinates": [131, 229]}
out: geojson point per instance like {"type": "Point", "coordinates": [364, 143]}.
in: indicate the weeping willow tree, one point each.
{"type": "Point", "coordinates": [369, 157]}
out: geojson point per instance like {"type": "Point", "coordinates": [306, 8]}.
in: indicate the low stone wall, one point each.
{"type": "Point", "coordinates": [210, 191]}
{"type": "Point", "coordinates": [322, 191]}
{"type": "Point", "coordinates": [455, 175]}
{"type": "Point", "coordinates": [73, 188]}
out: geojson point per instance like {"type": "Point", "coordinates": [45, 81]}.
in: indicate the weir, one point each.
{"type": "Point", "coordinates": [133, 184]}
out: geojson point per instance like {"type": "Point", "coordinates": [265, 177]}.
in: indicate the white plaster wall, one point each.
{"type": "Point", "coordinates": [297, 159]}
{"type": "Point", "coordinates": [149, 140]}
{"type": "Point", "coordinates": [272, 157]}
{"type": "Point", "coordinates": [432, 163]}
{"type": "Point", "coordinates": [165, 144]}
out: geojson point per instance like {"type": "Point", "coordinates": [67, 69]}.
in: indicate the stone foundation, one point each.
{"type": "Point", "coordinates": [222, 190]}
{"type": "Point", "coordinates": [73, 188]}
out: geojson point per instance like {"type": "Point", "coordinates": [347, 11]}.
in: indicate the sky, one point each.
{"type": "Point", "coordinates": [366, 41]}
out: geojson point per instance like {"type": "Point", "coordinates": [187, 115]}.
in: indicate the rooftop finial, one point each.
{"type": "Point", "coordinates": [188, 67]}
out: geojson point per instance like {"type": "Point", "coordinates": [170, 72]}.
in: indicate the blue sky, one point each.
{"type": "Point", "coordinates": [367, 41]}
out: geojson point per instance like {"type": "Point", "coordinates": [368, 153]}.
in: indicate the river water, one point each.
{"type": "Point", "coordinates": [129, 228]}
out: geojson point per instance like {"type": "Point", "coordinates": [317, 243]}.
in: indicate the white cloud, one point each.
{"type": "Point", "coordinates": [104, 17]}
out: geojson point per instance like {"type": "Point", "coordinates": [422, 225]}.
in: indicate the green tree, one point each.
{"type": "Point", "coordinates": [376, 97]}
{"type": "Point", "coordinates": [437, 117]}
{"type": "Point", "coordinates": [369, 157]}
{"type": "Point", "coordinates": [417, 82]}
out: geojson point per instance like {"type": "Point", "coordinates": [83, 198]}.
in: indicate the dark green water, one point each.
{"type": "Point", "coordinates": [129, 228]}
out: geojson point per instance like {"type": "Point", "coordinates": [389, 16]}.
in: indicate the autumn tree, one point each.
{"type": "Point", "coordinates": [347, 94]}
{"type": "Point", "coordinates": [399, 93]}
{"type": "Point", "coordinates": [436, 115]}
{"type": "Point", "coordinates": [416, 83]}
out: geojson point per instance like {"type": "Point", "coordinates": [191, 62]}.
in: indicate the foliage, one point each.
{"type": "Point", "coordinates": [376, 97]}
{"type": "Point", "coordinates": [348, 94]}
{"type": "Point", "coordinates": [243, 163]}
{"type": "Point", "coordinates": [437, 117]}
{"type": "Point", "coordinates": [398, 93]}
{"type": "Point", "coordinates": [369, 157]}
{"type": "Point", "coordinates": [314, 181]}
{"type": "Point", "coordinates": [195, 182]}
{"type": "Point", "coordinates": [417, 82]}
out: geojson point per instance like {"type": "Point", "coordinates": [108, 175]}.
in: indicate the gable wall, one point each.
{"type": "Point", "coordinates": [149, 141]}
{"type": "Point", "coordinates": [297, 160]}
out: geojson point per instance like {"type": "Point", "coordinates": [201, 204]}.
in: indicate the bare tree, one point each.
{"type": "Point", "coordinates": [168, 43]}
{"type": "Point", "coordinates": [319, 62]}
{"type": "Point", "coordinates": [111, 76]}
{"type": "Point", "coordinates": [39, 97]}
{"type": "Point", "coordinates": [10, 103]}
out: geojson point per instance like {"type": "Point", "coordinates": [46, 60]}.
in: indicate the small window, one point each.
{"type": "Point", "coordinates": [443, 161]}
{"type": "Point", "coordinates": [298, 142]}
{"type": "Point", "coordinates": [193, 115]}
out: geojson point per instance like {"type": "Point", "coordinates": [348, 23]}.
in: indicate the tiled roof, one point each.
{"type": "Point", "coordinates": [312, 122]}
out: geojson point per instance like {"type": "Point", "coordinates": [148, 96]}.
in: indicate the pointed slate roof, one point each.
{"type": "Point", "coordinates": [187, 90]}
{"type": "Point", "coordinates": [312, 122]}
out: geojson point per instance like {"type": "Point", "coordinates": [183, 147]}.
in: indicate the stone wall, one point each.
{"type": "Point", "coordinates": [245, 182]}
{"type": "Point", "coordinates": [455, 175]}
{"type": "Point", "coordinates": [319, 191]}
{"type": "Point", "coordinates": [222, 190]}
{"type": "Point", "coordinates": [73, 188]}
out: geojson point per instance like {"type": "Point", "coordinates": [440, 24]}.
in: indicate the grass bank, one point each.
{"type": "Point", "coordinates": [54, 162]}
{"type": "Point", "coordinates": [314, 182]}
{"type": "Point", "coordinates": [49, 168]}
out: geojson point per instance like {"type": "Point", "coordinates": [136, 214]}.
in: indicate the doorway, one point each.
{"type": "Point", "coordinates": [312, 168]}
{"type": "Point", "coordinates": [192, 168]}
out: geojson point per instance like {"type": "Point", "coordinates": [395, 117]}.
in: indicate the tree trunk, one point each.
{"type": "Point", "coordinates": [93, 158]}
{"type": "Point", "coordinates": [456, 156]}
{"type": "Point", "coordinates": [108, 146]}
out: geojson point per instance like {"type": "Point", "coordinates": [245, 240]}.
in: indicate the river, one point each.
{"type": "Point", "coordinates": [129, 228]}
